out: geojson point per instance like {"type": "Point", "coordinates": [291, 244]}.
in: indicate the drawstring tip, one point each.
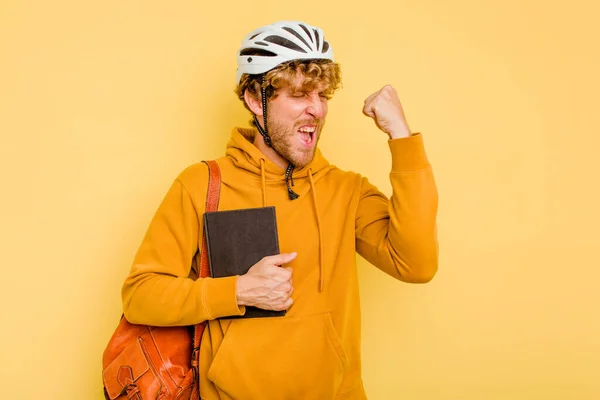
{"type": "Point", "coordinates": [293, 195]}
{"type": "Point", "coordinates": [288, 177]}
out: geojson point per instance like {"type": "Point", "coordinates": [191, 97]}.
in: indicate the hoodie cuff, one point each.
{"type": "Point", "coordinates": [219, 297]}
{"type": "Point", "coordinates": [408, 154]}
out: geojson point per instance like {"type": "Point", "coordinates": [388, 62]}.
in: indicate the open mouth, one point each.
{"type": "Point", "coordinates": [307, 134]}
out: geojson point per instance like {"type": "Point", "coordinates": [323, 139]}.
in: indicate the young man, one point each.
{"type": "Point", "coordinates": [286, 74]}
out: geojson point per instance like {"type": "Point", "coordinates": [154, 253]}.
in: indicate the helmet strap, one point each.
{"type": "Point", "coordinates": [263, 131]}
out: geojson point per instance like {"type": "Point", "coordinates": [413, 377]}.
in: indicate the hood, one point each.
{"type": "Point", "coordinates": [245, 155]}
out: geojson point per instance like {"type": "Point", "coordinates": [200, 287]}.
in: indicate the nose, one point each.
{"type": "Point", "coordinates": [317, 106]}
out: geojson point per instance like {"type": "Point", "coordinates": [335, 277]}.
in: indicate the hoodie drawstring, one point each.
{"type": "Point", "coordinates": [321, 258]}
{"type": "Point", "coordinates": [289, 178]}
{"type": "Point", "coordinates": [263, 178]}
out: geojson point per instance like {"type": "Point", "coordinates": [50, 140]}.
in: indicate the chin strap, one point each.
{"type": "Point", "coordinates": [263, 131]}
{"type": "Point", "coordinates": [265, 134]}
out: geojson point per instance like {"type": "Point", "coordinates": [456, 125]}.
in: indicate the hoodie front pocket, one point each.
{"type": "Point", "coordinates": [280, 358]}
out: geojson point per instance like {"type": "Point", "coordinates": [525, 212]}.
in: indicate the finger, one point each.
{"type": "Point", "coordinates": [278, 296]}
{"type": "Point", "coordinates": [280, 305]}
{"type": "Point", "coordinates": [285, 273]}
{"type": "Point", "coordinates": [277, 273]}
{"type": "Point", "coordinates": [286, 287]}
{"type": "Point", "coordinates": [290, 272]}
{"type": "Point", "coordinates": [371, 97]}
{"type": "Point", "coordinates": [369, 110]}
{"type": "Point", "coordinates": [280, 259]}
{"type": "Point", "coordinates": [368, 106]}
{"type": "Point", "coordinates": [389, 89]}
{"type": "Point", "coordinates": [288, 303]}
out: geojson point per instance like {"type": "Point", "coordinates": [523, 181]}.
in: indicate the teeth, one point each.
{"type": "Point", "coordinates": [307, 130]}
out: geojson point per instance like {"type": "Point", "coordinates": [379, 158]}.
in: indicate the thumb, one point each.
{"type": "Point", "coordinates": [369, 110]}
{"type": "Point", "coordinates": [282, 258]}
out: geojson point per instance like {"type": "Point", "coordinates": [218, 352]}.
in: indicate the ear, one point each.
{"type": "Point", "coordinates": [254, 103]}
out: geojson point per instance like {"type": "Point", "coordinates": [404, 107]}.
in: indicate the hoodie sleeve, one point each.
{"type": "Point", "coordinates": [398, 235]}
{"type": "Point", "coordinates": [157, 290]}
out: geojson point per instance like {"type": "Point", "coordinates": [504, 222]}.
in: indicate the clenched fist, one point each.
{"type": "Point", "coordinates": [385, 109]}
{"type": "Point", "coordinates": [266, 285]}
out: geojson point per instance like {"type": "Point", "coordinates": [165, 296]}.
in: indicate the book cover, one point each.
{"type": "Point", "coordinates": [238, 239]}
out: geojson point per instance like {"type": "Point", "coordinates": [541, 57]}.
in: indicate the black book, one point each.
{"type": "Point", "coordinates": [238, 239]}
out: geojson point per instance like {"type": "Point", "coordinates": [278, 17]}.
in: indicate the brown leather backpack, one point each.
{"type": "Point", "coordinates": [144, 362]}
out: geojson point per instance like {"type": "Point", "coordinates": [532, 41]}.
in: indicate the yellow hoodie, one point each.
{"type": "Point", "coordinates": [313, 353]}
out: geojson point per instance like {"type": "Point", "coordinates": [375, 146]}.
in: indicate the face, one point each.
{"type": "Point", "coordinates": [295, 118]}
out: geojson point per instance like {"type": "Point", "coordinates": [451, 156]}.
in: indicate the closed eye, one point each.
{"type": "Point", "coordinates": [300, 95]}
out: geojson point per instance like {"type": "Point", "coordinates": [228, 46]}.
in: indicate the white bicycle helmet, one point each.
{"type": "Point", "coordinates": [270, 45]}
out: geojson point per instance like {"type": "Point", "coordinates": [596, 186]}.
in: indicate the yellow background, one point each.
{"type": "Point", "coordinates": [103, 103]}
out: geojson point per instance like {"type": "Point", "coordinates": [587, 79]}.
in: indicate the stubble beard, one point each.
{"type": "Point", "coordinates": [284, 141]}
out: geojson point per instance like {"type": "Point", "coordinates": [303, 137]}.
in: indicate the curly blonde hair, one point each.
{"type": "Point", "coordinates": [314, 72]}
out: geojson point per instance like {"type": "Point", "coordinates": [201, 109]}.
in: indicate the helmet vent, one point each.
{"type": "Point", "coordinates": [284, 43]}
{"type": "Point", "coordinates": [257, 52]}
{"type": "Point", "coordinates": [325, 47]}
{"type": "Point", "coordinates": [293, 32]}
{"type": "Point", "coordinates": [306, 30]}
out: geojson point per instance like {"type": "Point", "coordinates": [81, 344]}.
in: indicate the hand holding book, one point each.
{"type": "Point", "coordinates": [267, 285]}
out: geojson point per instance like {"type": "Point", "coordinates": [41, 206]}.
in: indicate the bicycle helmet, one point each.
{"type": "Point", "coordinates": [268, 46]}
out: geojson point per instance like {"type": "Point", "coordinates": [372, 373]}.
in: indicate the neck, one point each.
{"type": "Point", "coordinates": [271, 154]}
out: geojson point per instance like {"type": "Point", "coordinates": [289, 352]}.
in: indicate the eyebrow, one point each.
{"type": "Point", "coordinates": [296, 89]}
{"type": "Point", "coordinates": [303, 89]}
